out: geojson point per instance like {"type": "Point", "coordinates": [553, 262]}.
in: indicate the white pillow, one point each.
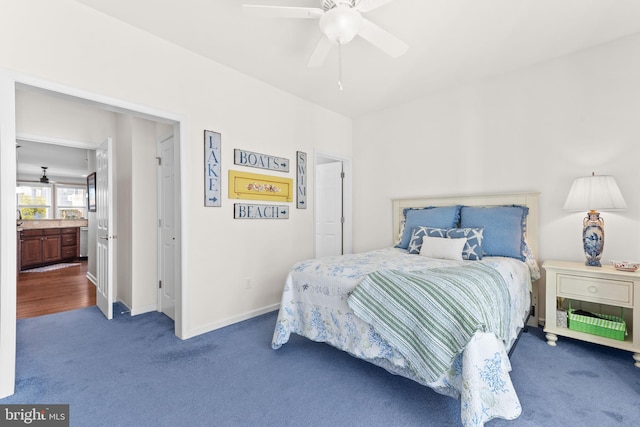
{"type": "Point", "coordinates": [438, 247]}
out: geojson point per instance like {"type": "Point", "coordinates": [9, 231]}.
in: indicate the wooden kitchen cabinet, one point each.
{"type": "Point", "coordinates": [30, 248]}
{"type": "Point", "coordinates": [51, 246]}
{"type": "Point", "coordinates": [69, 242]}
{"type": "Point", "coordinates": [39, 247]}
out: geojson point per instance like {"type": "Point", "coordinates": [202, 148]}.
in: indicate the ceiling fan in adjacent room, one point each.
{"type": "Point", "coordinates": [44, 178]}
{"type": "Point", "coordinates": [340, 21]}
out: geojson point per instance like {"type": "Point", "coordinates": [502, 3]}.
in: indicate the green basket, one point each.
{"type": "Point", "coordinates": [613, 327]}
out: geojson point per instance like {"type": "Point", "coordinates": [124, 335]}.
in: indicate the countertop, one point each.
{"type": "Point", "coordinates": [29, 224]}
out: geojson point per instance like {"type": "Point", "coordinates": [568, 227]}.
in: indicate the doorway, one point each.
{"type": "Point", "coordinates": [332, 205]}
{"type": "Point", "coordinates": [9, 82]}
{"type": "Point", "coordinates": [62, 283]}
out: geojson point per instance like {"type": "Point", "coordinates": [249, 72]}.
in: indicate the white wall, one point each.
{"type": "Point", "coordinates": [62, 118]}
{"type": "Point", "coordinates": [144, 218]}
{"type": "Point", "coordinates": [532, 130]}
{"type": "Point", "coordinates": [123, 172]}
{"type": "Point", "coordinates": [75, 46]}
{"type": "Point", "coordinates": [136, 201]}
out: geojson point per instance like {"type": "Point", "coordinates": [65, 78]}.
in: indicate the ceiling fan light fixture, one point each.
{"type": "Point", "coordinates": [44, 179]}
{"type": "Point", "coordinates": [341, 24]}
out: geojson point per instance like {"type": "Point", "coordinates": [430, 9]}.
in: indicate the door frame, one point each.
{"type": "Point", "coordinates": [347, 199]}
{"type": "Point", "coordinates": [9, 82]}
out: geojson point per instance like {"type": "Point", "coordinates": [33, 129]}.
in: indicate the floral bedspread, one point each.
{"type": "Point", "coordinates": [314, 305]}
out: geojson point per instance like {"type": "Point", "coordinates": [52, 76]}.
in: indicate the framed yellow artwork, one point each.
{"type": "Point", "coordinates": [253, 186]}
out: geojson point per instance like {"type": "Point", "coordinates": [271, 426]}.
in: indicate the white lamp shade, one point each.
{"type": "Point", "coordinates": [597, 192]}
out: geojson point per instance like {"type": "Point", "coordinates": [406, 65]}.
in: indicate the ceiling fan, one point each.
{"type": "Point", "coordinates": [340, 22]}
{"type": "Point", "coordinates": [44, 178]}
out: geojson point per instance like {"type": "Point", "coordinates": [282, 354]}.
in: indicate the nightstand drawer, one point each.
{"type": "Point", "coordinates": [593, 289]}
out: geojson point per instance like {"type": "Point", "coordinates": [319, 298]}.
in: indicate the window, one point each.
{"type": "Point", "coordinates": [34, 201]}
{"type": "Point", "coordinates": [57, 201]}
{"type": "Point", "coordinates": [71, 202]}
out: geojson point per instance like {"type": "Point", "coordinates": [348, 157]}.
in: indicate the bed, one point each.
{"type": "Point", "coordinates": [463, 262]}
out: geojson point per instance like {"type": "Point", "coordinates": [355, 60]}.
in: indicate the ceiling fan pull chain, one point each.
{"type": "Point", "coordinates": [340, 66]}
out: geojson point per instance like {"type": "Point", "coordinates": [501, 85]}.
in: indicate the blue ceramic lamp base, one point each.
{"type": "Point", "coordinates": [593, 238]}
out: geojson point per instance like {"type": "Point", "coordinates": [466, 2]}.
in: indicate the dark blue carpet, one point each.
{"type": "Point", "coordinates": [134, 371]}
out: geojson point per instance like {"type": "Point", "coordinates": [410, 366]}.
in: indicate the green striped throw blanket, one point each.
{"type": "Point", "coordinates": [429, 316]}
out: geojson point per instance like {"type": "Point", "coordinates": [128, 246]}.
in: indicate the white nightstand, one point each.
{"type": "Point", "coordinates": [601, 285]}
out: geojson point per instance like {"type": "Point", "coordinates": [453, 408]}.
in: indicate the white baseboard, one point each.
{"type": "Point", "coordinates": [92, 278]}
{"type": "Point", "coordinates": [137, 311]}
{"type": "Point", "coordinates": [144, 309]}
{"type": "Point", "coordinates": [231, 320]}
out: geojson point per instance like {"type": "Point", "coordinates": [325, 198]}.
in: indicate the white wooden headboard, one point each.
{"type": "Point", "coordinates": [523, 199]}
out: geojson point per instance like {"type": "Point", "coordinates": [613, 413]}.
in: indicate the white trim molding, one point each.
{"type": "Point", "coordinates": [8, 241]}
{"type": "Point", "coordinates": [21, 136]}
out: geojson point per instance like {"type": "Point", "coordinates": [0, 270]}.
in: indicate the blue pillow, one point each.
{"type": "Point", "coordinates": [435, 217]}
{"type": "Point", "coordinates": [504, 228]}
{"type": "Point", "coordinates": [415, 244]}
{"type": "Point", "coordinates": [473, 248]}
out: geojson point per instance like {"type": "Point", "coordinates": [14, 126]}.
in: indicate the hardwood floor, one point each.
{"type": "Point", "coordinates": [54, 291]}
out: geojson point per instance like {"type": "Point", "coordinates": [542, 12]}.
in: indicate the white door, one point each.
{"type": "Point", "coordinates": [105, 227]}
{"type": "Point", "coordinates": [166, 227]}
{"type": "Point", "coordinates": [328, 209]}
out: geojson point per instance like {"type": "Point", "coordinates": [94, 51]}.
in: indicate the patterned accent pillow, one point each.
{"type": "Point", "coordinates": [474, 236]}
{"type": "Point", "coordinates": [415, 244]}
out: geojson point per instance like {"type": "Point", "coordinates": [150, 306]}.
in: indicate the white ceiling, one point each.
{"type": "Point", "coordinates": [65, 164]}
{"type": "Point", "coordinates": [451, 42]}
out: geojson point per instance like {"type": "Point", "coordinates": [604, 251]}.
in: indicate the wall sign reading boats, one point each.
{"type": "Point", "coordinates": [262, 161]}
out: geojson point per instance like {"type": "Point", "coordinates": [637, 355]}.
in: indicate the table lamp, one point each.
{"type": "Point", "coordinates": [593, 193]}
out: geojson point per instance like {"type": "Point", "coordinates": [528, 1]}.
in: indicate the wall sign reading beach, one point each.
{"type": "Point", "coordinates": [250, 211]}
{"type": "Point", "coordinates": [212, 175]}
{"type": "Point", "coordinates": [262, 161]}
{"type": "Point", "coordinates": [253, 186]}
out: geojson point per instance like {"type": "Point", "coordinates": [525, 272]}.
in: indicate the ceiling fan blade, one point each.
{"type": "Point", "coordinates": [381, 39]}
{"type": "Point", "coordinates": [367, 5]}
{"type": "Point", "coordinates": [320, 52]}
{"type": "Point", "coordinates": [284, 12]}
